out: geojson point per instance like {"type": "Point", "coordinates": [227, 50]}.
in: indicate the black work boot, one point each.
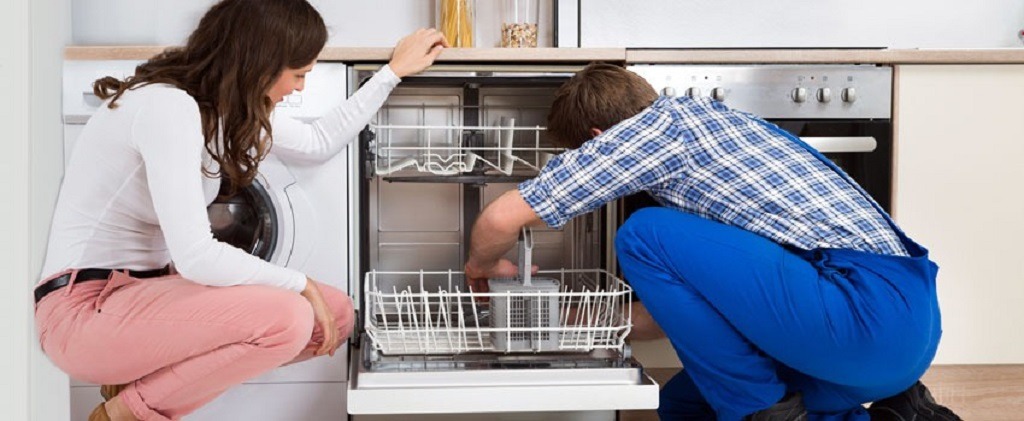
{"type": "Point", "coordinates": [913, 404]}
{"type": "Point", "coordinates": [790, 408]}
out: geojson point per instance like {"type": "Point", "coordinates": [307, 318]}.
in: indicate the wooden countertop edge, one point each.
{"type": "Point", "coordinates": [452, 55]}
{"type": "Point", "coordinates": [578, 55]}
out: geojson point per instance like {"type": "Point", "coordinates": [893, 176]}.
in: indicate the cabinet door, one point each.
{"type": "Point", "coordinates": [959, 191]}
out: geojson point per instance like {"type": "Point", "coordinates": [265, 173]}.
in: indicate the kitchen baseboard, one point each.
{"type": "Point", "coordinates": [989, 392]}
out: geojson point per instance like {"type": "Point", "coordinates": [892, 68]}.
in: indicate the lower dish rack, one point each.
{"type": "Point", "coordinates": [575, 311]}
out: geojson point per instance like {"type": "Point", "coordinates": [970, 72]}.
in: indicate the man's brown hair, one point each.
{"type": "Point", "coordinates": [599, 96]}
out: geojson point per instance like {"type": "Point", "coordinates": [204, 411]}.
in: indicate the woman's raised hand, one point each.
{"type": "Point", "coordinates": [417, 51]}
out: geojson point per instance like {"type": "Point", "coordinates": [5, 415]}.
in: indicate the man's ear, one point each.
{"type": "Point", "coordinates": [595, 132]}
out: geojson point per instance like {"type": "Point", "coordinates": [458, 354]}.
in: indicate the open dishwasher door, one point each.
{"type": "Point", "coordinates": [558, 345]}
{"type": "Point", "coordinates": [495, 389]}
{"type": "Point", "coordinates": [447, 143]}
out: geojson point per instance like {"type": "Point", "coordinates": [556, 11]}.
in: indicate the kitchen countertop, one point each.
{"type": "Point", "coordinates": [577, 55]}
{"type": "Point", "coordinates": [451, 55]}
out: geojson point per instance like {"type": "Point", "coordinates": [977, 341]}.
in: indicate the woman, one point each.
{"type": "Point", "coordinates": [134, 200]}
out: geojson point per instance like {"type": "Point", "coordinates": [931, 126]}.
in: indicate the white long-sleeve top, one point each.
{"type": "Point", "coordinates": [134, 195]}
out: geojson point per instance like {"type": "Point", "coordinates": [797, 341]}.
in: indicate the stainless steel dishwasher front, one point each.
{"type": "Point", "coordinates": [448, 142]}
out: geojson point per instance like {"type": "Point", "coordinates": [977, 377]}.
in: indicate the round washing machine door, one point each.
{"type": "Point", "coordinates": [247, 220]}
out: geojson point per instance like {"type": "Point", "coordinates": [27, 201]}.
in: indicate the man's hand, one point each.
{"type": "Point", "coordinates": [495, 233]}
{"type": "Point", "coordinates": [476, 277]}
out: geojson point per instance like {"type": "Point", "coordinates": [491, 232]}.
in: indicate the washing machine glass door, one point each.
{"type": "Point", "coordinates": [246, 220]}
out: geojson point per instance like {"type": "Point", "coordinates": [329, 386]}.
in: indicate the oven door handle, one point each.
{"type": "Point", "coordinates": [842, 144]}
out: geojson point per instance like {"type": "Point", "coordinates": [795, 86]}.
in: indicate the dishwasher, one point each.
{"type": "Point", "coordinates": [445, 144]}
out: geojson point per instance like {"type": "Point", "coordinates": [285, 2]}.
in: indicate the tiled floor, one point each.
{"type": "Point", "coordinates": [975, 392]}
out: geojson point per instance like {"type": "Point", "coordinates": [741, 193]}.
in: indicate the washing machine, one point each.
{"type": "Point", "coordinates": [294, 215]}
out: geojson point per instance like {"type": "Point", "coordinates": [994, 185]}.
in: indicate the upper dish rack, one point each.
{"type": "Point", "coordinates": [500, 146]}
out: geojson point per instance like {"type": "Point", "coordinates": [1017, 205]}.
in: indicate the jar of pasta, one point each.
{"type": "Point", "coordinates": [456, 20]}
{"type": "Point", "coordinates": [519, 23]}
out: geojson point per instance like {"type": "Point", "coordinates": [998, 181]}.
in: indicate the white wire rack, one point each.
{"type": "Point", "coordinates": [594, 312]}
{"type": "Point", "coordinates": [439, 144]}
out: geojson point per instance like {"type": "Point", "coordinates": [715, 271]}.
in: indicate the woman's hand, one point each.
{"type": "Point", "coordinates": [324, 317]}
{"type": "Point", "coordinates": [417, 51]}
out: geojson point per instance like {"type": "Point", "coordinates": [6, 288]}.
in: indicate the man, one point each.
{"type": "Point", "coordinates": [786, 291]}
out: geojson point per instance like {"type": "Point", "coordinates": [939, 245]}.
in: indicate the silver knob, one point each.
{"type": "Point", "coordinates": [849, 95]}
{"type": "Point", "coordinates": [668, 91]}
{"type": "Point", "coordinates": [799, 95]}
{"type": "Point", "coordinates": [718, 94]}
{"type": "Point", "coordinates": [693, 92]}
{"type": "Point", "coordinates": [824, 95]}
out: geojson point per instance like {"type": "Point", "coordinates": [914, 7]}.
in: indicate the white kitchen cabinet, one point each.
{"type": "Point", "coordinates": [959, 191]}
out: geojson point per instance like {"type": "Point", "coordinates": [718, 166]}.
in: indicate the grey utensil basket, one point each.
{"type": "Point", "coordinates": [525, 309]}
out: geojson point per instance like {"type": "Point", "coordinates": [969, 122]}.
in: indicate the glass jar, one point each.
{"type": "Point", "coordinates": [519, 23]}
{"type": "Point", "coordinates": [456, 19]}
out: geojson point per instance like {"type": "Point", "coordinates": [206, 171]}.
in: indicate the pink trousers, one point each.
{"type": "Point", "coordinates": [176, 343]}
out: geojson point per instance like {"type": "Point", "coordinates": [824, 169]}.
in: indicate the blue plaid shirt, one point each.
{"type": "Point", "coordinates": [701, 157]}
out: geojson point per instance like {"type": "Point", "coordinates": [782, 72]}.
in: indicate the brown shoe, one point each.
{"type": "Point", "coordinates": [108, 391]}
{"type": "Point", "coordinates": [99, 414]}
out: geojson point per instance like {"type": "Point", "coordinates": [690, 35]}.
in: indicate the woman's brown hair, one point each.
{"type": "Point", "coordinates": [599, 96]}
{"type": "Point", "coordinates": [228, 65]}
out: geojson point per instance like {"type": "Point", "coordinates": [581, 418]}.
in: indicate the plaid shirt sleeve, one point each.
{"type": "Point", "coordinates": [636, 154]}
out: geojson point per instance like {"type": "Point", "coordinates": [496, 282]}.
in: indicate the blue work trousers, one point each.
{"type": "Point", "coordinates": [752, 320]}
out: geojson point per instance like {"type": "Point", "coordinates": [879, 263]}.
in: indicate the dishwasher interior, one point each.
{"type": "Point", "coordinates": [445, 144]}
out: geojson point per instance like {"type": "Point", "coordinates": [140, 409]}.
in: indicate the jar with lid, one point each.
{"type": "Point", "coordinates": [456, 19]}
{"type": "Point", "coordinates": [519, 23]}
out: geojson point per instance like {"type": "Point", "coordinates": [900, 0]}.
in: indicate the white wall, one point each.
{"type": "Point", "coordinates": [14, 213]}
{"type": "Point", "coordinates": [50, 30]}
{"type": "Point", "coordinates": [801, 23]}
{"type": "Point", "coordinates": [33, 33]}
{"type": "Point", "coordinates": [352, 23]}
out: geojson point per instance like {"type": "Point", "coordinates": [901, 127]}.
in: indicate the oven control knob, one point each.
{"type": "Point", "coordinates": [799, 95]}
{"type": "Point", "coordinates": [693, 92]}
{"type": "Point", "coordinates": [718, 94]}
{"type": "Point", "coordinates": [849, 95]}
{"type": "Point", "coordinates": [668, 91]}
{"type": "Point", "coordinates": [824, 95]}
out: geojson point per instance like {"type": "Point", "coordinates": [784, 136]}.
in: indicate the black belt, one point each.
{"type": "Point", "coordinates": [93, 275]}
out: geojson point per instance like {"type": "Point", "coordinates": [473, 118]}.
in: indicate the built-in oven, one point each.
{"type": "Point", "coordinates": [843, 111]}
{"type": "Point", "coordinates": [445, 144]}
